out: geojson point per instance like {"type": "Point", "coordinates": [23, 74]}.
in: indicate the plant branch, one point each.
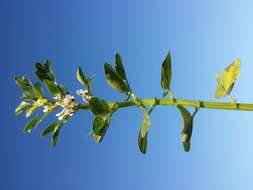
{"type": "Point", "coordinates": [191, 103]}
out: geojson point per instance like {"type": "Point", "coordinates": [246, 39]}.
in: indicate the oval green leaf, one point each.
{"type": "Point", "coordinates": [100, 127]}
{"type": "Point", "coordinates": [114, 80]}
{"type": "Point", "coordinates": [99, 106]}
{"type": "Point", "coordinates": [99, 124]}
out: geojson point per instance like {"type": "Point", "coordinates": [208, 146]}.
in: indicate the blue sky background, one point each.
{"type": "Point", "coordinates": [203, 37]}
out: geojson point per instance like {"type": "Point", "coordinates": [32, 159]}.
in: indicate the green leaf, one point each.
{"type": "Point", "coordinates": [34, 107]}
{"type": "Point", "coordinates": [56, 134]}
{"type": "Point", "coordinates": [62, 89]}
{"type": "Point", "coordinates": [49, 68]}
{"type": "Point", "coordinates": [166, 74]}
{"type": "Point", "coordinates": [100, 127]}
{"type": "Point", "coordinates": [89, 86]}
{"type": "Point", "coordinates": [119, 67]}
{"type": "Point", "coordinates": [86, 81]}
{"type": "Point", "coordinates": [37, 90]}
{"type": "Point", "coordinates": [186, 132]}
{"type": "Point", "coordinates": [55, 138]}
{"type": "Point", "coordinates": [22, 106]}
{"type": "Point", "coordinates": [24, 83]}
{"type": "Point", "coordinates": [143, 142]}
{"type": "Point", "coordinates": [81, 77]}
{"type": "Point", "coordinates": [44, 71]}
{"type": "Point", "coordinates": [51, 128]}
{"type": "Point", "coordinates": [114, 80]}
{"type": "Point", "coordinates": [99, 124]}
{"type": "Point", "coordinates": [143, 133]}
{"type": "Point", "coordinates": [145, 125]}
{"type": "Point", "coordinates": [99, 106]}
{"type": "Point", "coordinates": [31, 124]}
{"type": "Point", "coordinates": [226, 81]}
{"type": "Point", "coordinates": [28, 95]}
{"type": "Point", "coordinates": [52, 87]}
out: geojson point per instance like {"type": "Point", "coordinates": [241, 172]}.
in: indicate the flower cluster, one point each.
{"type": "Point", "coordinates": [68, 104]}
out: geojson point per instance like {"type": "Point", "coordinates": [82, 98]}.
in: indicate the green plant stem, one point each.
{"type": "Point", "coordinates": [192, 103]}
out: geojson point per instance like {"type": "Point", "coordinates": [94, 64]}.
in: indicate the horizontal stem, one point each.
{"type": "Point", "coordinates": [192, 103]}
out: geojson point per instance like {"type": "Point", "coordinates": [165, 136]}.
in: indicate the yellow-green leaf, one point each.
{"type": "Point", "coordinates": [98, 138]}
{"type": "Point", "coordinates": [81, 77]}
{"type": "Point", "coordinates": [226, 81]}
{"type": "Point", "coordinates": [37, 90]}
{"type": "Point", "coordinates": [22, 106]}
{"type": "Point", "coordinates": [143, 133]}
{"type": "Point", "coordinates": [34, 107]}
{"type": "Point", "coordinates": [145, 125]}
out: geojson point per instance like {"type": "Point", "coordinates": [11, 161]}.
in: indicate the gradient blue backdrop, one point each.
{"type": "Point", "coordinates": [203, 37]}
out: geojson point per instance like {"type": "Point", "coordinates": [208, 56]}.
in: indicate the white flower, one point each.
{"type": "Point", "coordinates": [46, 109]}
{"type": "Point", "coordinates": [68, 104]}
{"type": "Point", "coordinates": [84, 94]}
